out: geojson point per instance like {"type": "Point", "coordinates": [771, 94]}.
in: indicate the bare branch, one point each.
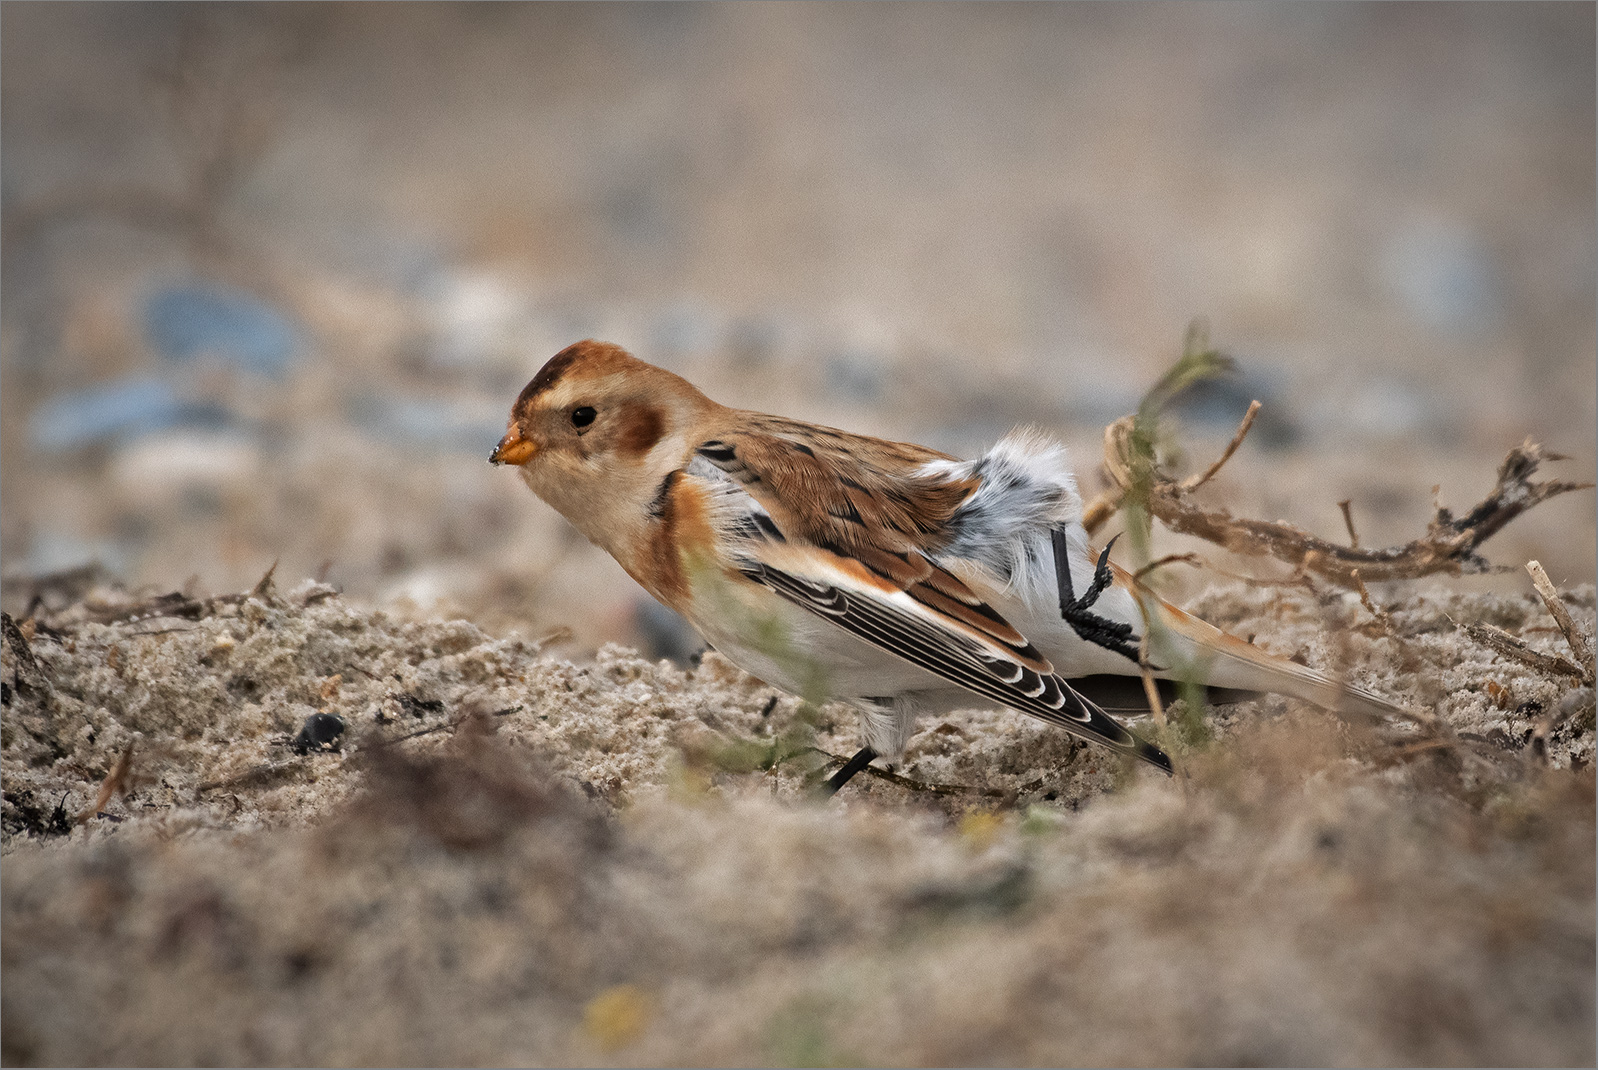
{"type": "Point", "coordinates": [1104, 506]}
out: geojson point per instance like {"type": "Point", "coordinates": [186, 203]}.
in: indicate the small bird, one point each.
{"type": "Point", "coordinates": [887, 575]}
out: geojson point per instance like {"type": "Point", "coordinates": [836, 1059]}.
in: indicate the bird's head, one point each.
{"type": "Point", "coordinates": [595, 433]}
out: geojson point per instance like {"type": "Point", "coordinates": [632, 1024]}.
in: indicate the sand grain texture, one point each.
{"type": "Point", "coordinates": [513, 858]}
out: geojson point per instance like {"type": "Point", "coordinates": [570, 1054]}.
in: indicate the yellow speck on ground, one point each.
{"type": "Point", "coordinates": [979, 828]}
{"type": "Point", "coordinates": [618, 1016]}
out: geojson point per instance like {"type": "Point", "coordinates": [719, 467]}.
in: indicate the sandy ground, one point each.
{"type": "Point", "coordinates": [505, 857]}
{"type": "Point", "coordinates": [272, 275]}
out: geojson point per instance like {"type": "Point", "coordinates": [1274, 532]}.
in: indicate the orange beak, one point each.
{"type": "Point", "coordinates": [512, 449]}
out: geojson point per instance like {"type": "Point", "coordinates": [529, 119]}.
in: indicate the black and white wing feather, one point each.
{"type": "Point", "coordinates": [959, 659]}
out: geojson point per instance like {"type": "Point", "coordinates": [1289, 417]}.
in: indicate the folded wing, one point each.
{"type": "Point", "coordinates": [839, 529]}
{"type": "Point", "coordinates": [915, 634]}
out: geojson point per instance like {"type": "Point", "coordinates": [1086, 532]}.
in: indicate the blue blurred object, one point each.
{"type": "Point", "coordinates": [663, 634]}
{"type": "Point", "coordinates": [123, 407]}
{"type": "Point", "coordinates": [1223, 402]}
{"type": "Point", "coordinates": [1444, 276]}
{"type": "Point", "coordinates": [425, 423]}
{"type": "Point", "coordinates": [856, 375]}
{"type": "Point", "coordinates": [685, 328]}
{"type": "Point", "coordinates": [190, 320]}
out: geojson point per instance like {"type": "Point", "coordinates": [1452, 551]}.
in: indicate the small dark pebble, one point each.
{"type": "Point", "coordinates": [321, 731]}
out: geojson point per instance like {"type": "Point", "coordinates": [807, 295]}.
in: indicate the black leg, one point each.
{"type": "Point", "coordinates": [862, 759]}
{"type": "Point", "coordinates": [1078, 612]}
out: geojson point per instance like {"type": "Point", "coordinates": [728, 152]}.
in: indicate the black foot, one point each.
{"type": "Point", "coordinates": [862, 759]}
{"type": "Point", "coordinates": [1078, 612]}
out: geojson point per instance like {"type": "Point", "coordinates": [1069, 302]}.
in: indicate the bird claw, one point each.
{"type": "Point", "coordinates": [1078, 612]}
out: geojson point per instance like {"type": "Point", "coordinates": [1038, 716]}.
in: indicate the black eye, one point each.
{"type": "Point", "coordinates": [582, 417]}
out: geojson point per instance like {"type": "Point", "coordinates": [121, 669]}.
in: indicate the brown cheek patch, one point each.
{"type": "Point", "coordinates": [639, 427]}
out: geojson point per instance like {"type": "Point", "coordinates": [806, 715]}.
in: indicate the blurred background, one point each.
{"type": "Point", "coordinates": [273, 274]}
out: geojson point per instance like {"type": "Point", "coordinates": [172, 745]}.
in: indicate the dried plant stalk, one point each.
{"type": "Point", "coordinates": [1195, 482]}
{"type": "Point", "coordinates": [1382, 619]}
{"type": "Point", "coordinates": [1449, 545]}
{"type": "Point", "coordinates": [1346, 505]}
{"type": "Point", "coordinates": [1580, 644]}
{"type": "Point", "coordinates": [924, 787]}
{"type": "Point", "coordinates": [1515, 649]}
{"type": "Point", "coordinates": [116, 780]}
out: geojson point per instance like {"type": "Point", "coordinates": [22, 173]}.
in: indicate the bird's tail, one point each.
{"type": "Point", "coordinates": [1182, 643]}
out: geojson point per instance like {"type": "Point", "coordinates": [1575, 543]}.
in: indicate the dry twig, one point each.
{"type": "Point", "coordinates": [17, 641]}
{"type": "Point", "coordinates": [927, 787]}
{"type": "Point", "coordinates": [263, 587]}
{"type": "Point", "coordinates": [1382, 619]}
{"type": "Point", "coordinates": [116, 780]}
{"type": "Point", "coordinates": [445, 726]}
{"type": "Point", "coordinates": [1348, 521]}
{"type": "Point", "coordinates": [255, 775]}
{"type": "Point", "coordinates": [1575, 635]}
{"type": "Point", "coordinates": [1168, 559]}
{"type": "Point", "coordinates": [1510, 647]}
{"type": "Point", "coordinates": [1195, 482]}
{"type": "Point", "coordinates": [1448, 546]}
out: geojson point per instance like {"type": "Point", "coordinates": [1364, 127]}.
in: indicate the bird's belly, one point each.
{"type": "Point", "coordinates": [801, 653]}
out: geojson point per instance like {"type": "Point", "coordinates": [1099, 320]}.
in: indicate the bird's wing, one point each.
{"type": "Point", "coordinates": [876, 582]}
{"type": "Point", "coordinates": [899, 623]}
{"type": "Point", "coordinates": [858, 502]}
{"type": "Point", "coordinates": [833, 488]}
